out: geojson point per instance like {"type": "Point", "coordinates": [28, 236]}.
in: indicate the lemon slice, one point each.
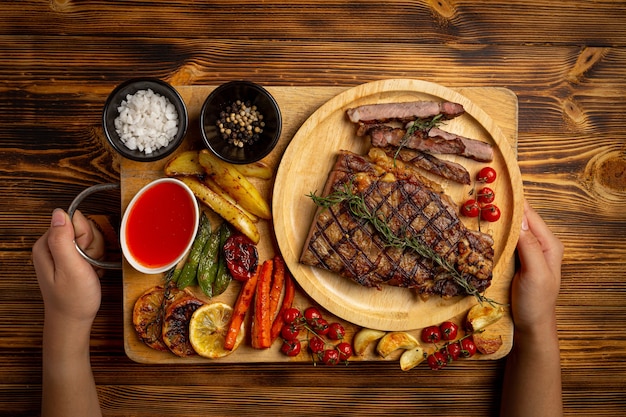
{"type": "Point", "coordinates": [207, 330]}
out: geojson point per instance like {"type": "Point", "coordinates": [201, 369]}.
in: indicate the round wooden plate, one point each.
{"type": "Point", "coordinates": [304, 169]}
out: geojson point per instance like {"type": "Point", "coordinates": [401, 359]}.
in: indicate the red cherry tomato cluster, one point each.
{"type": "Point", "coordinates": [483, 205]}
{"type": "Point", "coordinates": [321, 336]}
{"type": "Point", "coordinates": [452, 349]}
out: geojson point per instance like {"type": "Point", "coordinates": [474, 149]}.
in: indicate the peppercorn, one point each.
{"type": "Point", "coordinates": [240, 123]}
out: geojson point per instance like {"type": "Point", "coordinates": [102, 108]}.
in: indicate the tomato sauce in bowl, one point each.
{"type": "Point", "coordinates": [159, 226]}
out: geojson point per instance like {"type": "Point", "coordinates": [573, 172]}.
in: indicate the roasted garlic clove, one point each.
{"type": "Point", "coordinates": [364, 338]}
{"type": "Point", "coordinates": [395, 340]}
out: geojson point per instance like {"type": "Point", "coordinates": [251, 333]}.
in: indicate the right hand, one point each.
{"type": "Point", "coordinates": [536, 285]}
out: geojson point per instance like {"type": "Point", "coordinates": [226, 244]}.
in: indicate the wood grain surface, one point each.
{"type": "Point", "coordinates": [565, 61]}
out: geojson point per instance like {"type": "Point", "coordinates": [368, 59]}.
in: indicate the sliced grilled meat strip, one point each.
{"type": "Point", "coordinates": [404, 112]}
{"type": "Point", "coordinates": [445, 169]}
{"type": "Point", "coordinates": [433, 141]}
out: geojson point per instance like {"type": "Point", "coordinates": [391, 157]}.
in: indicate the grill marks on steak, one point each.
{"type": "Point", "coordinates": [351, 247]}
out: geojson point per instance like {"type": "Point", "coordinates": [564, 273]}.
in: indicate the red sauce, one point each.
{"type": "Point", "coordinates": [160, 225]}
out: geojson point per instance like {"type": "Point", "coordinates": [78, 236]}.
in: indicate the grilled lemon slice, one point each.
{"type": "Point", "coordinates": [207, 330]}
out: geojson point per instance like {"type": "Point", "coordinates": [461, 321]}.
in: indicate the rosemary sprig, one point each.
{"type": "Point", "coordinates": [358, 208]}
{"type": "Point", "coordinates": [423, 125]}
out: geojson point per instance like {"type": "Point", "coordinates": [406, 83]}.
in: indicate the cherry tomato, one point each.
{"type": "Point", "coordinates": [470, 208]}
{"type": "Point", "coordinates": [289, 332]}
{"type": "Point", "coordinates": [490, 213]}
{"type": "Point", "coordinates": [431, 334]}
{"type": "Point", "coordinates": [316, 344]}
{"type": "Point", "coordinates": [321, 327]}
{"type": "Point", "coordinates": [291, 315]}
{"type": "Point", "coordinates": [291, 347]}
{"type": "Point", "coordinates": [336, 331]}
{"type": "Point", "coordinates": [345, 351]}
{"type": "Point", "coordinates": [448, 330]}
{"type": "Point", "coordinates": [242, 257]}
{"type": "Point", "coordinates": [436, 361]}
{"type": "Point", "coordinates": [486, 195]}
{"type": "Point", "coordinates": [468, 348]}
{"type": "Point", "coordinates": [452, 351]}
{"type": "Point", "coordinates": [311, 315]}
{"type": "Point", "coordinates": [330, 357]}
{"type": "Point", "coordinates": [486, 175]}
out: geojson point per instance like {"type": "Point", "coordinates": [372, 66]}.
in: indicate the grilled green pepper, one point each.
{"type": "Point", "coordinates": [223, 277]}
{"type": "Point", "coordinates": [188, 274]}
{"type": "Point", "coordinates": [207, 268]}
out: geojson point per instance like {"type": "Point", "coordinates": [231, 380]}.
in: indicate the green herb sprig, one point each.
{"type": "Point", "coordinates": [423, 125]}
{"type": "Point", "coordinates": [358, 208]}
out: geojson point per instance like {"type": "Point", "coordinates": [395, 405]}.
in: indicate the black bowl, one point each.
{"type": "Point", "coordinates": [222, 97]}
{"type": "Point", "coordinates": [111, 112]}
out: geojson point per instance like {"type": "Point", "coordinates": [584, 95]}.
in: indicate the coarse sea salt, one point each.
{"type": "Point", "coordinates": [147, 121]}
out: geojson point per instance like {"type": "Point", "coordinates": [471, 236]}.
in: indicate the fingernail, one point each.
{"type": "Point", "coordinates": [524, 223]}
{"type": "Point", "coordinates": [58, 218]}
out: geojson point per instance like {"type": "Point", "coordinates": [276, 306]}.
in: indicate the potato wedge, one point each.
{"type": "Point", "coordinates": [363, 338]}
{"type": "Point", "coordinates": [225, 209]}
{"type": "Point", "coordinates": [257, 169]}
{"type": "Point", "coordinates": [395, 340]}
{"type": "Point", "coordinates": [410, 358]}
{"type": "Point", "coordinates": [483, 315]}
{"type": "Point", "coordinates": [234, 183]}
{"type": "Point", "coordinates": [185, 163]}
{"type": "Point", "coordinates": [222, 193]}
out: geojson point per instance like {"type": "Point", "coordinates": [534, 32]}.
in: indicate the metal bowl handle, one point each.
{"type": "Point", "coordinates": [79, 198]}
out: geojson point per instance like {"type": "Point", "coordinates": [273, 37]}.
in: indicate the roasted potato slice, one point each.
{"type": "Point", "coordinates": [224, 208]}
{"type": "Point", "coordinates": [363, 338]}
{"type": "Point", "coordinates": [222, 193]}
{"type": "Point", "coordinates": [486, 342]}
{"type": "Point", "coordinates": [483, 315]}
{"type": "Point", "coordinates": [234, 183]}
{"type": "Point", "coordinates": [393, 341]}
{"type": "Point", "coordinates": [185, 163]}
{"type": "Point", "coordinates": [257, 169]}
{"type": "Point", "coordinates": [410, 358]}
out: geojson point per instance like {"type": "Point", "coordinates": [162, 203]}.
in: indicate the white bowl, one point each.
{"type": "Point", "coordinates": [159, 226]}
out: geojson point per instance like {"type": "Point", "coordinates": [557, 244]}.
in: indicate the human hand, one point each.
{"type": "Point", "coordinates": [536, 285]}
{"type": "Point", "coordinates": [70, 286]}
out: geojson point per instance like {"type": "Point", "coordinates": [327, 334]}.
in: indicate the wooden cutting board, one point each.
{"type": "Point", "coordinates": [297, 105]}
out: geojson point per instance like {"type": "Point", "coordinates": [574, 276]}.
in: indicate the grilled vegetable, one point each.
{"type": "Point", "coordinates": [223, 277]}
{"type": "Point", "coordinates": [207, 267]}
{"type": "Point", "coordinates": [188, 274]}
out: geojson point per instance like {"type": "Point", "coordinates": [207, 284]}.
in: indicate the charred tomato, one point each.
{"type": "Point", "coordinates": [242, 257]}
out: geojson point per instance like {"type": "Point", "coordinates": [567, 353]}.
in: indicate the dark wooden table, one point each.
{"type": "Point", "coordinates": [566, 61]}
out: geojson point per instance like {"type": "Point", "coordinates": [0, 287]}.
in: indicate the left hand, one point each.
{"type": "Point", "coordinates": [70, 286]}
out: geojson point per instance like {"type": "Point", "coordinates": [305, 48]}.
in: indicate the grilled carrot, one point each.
{"type": "Point", "coordinates": [261, 322]}
{"type": "Point", "coordinates": [244, 300]}
{"type": "Point", "coordinates": [290, 291]}
{"type": "Point", "coordinates": [278, 283]}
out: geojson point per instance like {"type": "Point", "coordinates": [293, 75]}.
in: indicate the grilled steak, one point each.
{"type": "Point", "coordinates": [350, 246]}
{"type": "Point", "coordinates": [434, 140]}
{"type": "Point", "coordinates": [404, 112]}
{"type": "Point", "coordinates": [445, 169]}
